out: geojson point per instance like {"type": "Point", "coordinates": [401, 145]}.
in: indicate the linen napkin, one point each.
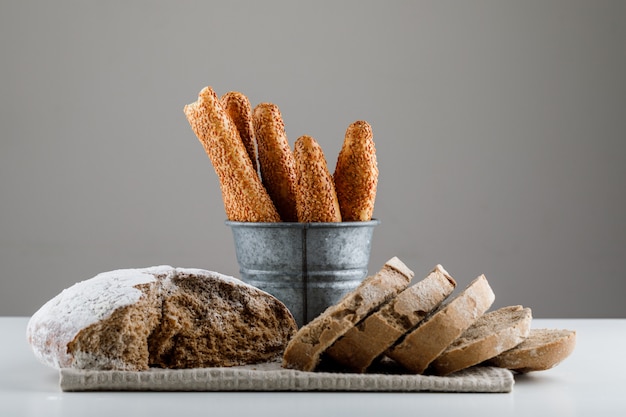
{"type": "Point", "coordinates": [271, 377]}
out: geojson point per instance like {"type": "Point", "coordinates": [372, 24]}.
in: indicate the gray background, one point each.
{"type": "Point", "coordinates": [500, 128]}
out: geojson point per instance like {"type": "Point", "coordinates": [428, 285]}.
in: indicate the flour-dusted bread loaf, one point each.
{"type": "Point", "coordinates": [541, 350]}
{"type": "Point", "coordinates": [492, 334]}
{"type": "Point", "coordinates": [365, 342]}
{"type": "Point", "coordinates": [132, 319]}
{"type": "Point", "coordinates": [305, 349]}
{"type": "Point", "coordinates": [418, 348]}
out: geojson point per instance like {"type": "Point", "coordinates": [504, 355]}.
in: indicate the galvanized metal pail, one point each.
{"type": "Point", "coordinates": [308, 266]}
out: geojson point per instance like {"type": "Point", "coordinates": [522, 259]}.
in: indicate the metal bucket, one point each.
{"type": "Point", "coordinates": [308, 266]}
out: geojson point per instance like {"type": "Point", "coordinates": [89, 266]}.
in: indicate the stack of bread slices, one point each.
{"type": "Point", "coordinates": [423, 329]}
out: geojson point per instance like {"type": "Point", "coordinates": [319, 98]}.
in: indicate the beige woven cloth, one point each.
{"type": "Point", "coordinates": [271, 377]}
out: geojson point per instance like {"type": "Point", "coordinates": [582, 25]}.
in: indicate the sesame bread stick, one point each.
{"type": "Point", "coordinates": [276, 161]}
{"type": "Point", "coordinates": [316, 199]}
{"type": "Point", "coordinates": [237, 106]}
{"type": "Point", "coordinates": [245, 198]}
{"type": "Point", "coordinates": [356, 173]}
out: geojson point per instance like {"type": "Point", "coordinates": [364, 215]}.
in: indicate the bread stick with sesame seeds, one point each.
{"type": "Point", "coordinates": [237, 106]}
{"type": "Point", "coordinates": [356, 173]}
{"type": "Point", "coordinates": [316, 199]}
{"type": "Point", "coordinates": [245, 198]}
{"type": "Point", "coordinates": [277, 166]}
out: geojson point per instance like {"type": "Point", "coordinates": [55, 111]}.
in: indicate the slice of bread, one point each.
{"type": "Point", "coordinates": [492, 334]}
{"type": "Point", "coordinates": [542, 349]}
{"type": "Point", "coordinates": [358, 348]}
{"type": "Point", "coordinates": [433, 335]}
{"type": "Point", "coordinates": [305, 349]}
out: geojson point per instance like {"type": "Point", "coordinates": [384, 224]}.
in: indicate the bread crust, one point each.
{"type": "Point", "coordinates": [431, 337]}
{"type": "Point", "coordinates": [543, 349]}
{"type": "Point", "coordinates": [276, 160]}
{"type": "Point", "coordinates": [362, 344]}
{"type": "Point", "coordinates": [238, 108]}
{"type": "Point", "coordinates": [245, 198]}
{"type": "Point", "coordinates": [316, 198]}
{"type": "Point", "coordinates": [492, 334]}
{"type": "Point", "coordinates": [305, 349]}
{"type": "Point", "coordinates": [131, 319]}
{"type": "Point", "coordinates": [356, 173]}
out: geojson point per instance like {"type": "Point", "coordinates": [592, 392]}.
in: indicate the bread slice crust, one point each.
{"type": "Point", "coordinates": [541, 350]}
{"type": "Point", "coordinates": [362, 344]}
{"type": "Point", "coordinates": [492, 334]}
{"type": "Point", "coordinates": [305, 349]}
{"type": "Point", "coordinates": [433, 335]}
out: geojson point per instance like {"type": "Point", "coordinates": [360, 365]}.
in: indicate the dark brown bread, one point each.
{"type": "Point", "coordinates": [433, 335]}
{"type": "Point", "coordinates": [168, 317]}
{"type": "Point", "coordinates": [305, 349]}
{"type": "Point", "coordinates": [362, 344]}
{"type": "Point", "coordinates": [543, 349]}
{"type": "Point", "coordinates": [492, 334]}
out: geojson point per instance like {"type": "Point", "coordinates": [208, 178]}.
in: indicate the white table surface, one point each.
{"type": "Point", "coordinates": [591, 382]}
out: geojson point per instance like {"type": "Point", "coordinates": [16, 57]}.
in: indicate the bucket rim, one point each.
{"type": "Point", "coordinates": [298, 225]}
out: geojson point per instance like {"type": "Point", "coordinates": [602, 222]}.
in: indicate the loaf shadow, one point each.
{"type": "Point", "coordinates": [533, 378]}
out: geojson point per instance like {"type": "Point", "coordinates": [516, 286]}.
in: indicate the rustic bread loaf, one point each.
{"type": "Point", "coordinates": [132, 319]}
{"type": "Point", "coordinates": [542, 349]}
{"type": "Point", "coordinates": [362, 344]}
{"type": "Point", "coordinates": [492, 334]}
{"type": "Point", "coordinates": [418, 348]}
{"type": "Point", "coordinates": [305, 349]}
